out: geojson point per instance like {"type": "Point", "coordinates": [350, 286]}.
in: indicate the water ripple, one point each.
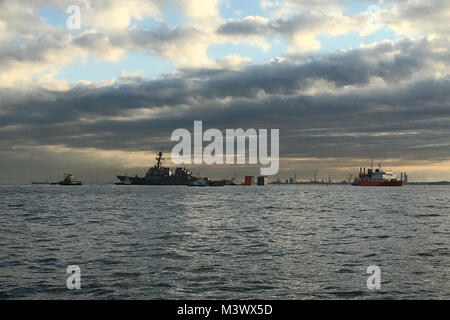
{"type": "Point", "coordinates": [276, 242]}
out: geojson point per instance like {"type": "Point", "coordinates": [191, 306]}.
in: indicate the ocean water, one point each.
{"type": "Point", "coordinates": [175, 242]}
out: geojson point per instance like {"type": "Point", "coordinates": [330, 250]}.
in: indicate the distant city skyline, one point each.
{"type": "Point", "coordinates": [346, 82]}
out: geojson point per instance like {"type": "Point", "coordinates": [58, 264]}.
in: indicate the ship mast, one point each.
{"type": "Point", "coordinates": [159, 159]}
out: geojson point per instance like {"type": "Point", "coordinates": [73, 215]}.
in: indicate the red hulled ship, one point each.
{"type": "Point", "coordinates": [377, 178]}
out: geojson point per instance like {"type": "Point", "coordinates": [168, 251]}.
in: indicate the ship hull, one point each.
{"type": "Point", "coordinates": [379, 183]}
{"type": "Point", "coordinates": [166, 181]}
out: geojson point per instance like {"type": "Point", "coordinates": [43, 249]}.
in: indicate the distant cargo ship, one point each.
{"type": "Point", "coordinates": [70, 180]}
{"type": "Point", "coordinates": [377, 178]}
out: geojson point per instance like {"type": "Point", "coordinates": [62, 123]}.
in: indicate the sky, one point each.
{"type": "Point", "coordinates": [346, 82]}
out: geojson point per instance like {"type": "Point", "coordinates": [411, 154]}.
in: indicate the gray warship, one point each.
{"type": "Point", "coordinates": [159, 175]}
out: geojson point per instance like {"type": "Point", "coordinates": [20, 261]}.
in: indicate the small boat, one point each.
{"type": "Point", "coordinates": [70, 180]}
{"type": "Point", "coordinates": [198, 183]}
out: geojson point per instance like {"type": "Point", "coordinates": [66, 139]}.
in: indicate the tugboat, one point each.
{"type": "Point", "coordinates": [377, 178]}
{"type": "Point", "coordinates": [70, 180]}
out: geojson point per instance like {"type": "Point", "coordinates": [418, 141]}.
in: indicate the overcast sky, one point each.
{"type": "Point", "coordinates": [344, 81]}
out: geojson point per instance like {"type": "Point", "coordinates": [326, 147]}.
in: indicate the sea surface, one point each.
{"type": "Point", "coordinates": [176, 242]}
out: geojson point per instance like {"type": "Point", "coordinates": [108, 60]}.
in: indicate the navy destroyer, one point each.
{"type": "Point", "coordinates": [159, 175]}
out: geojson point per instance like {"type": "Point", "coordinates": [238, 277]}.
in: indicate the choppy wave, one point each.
{"type": "Point", "coordinates": [275, 242]}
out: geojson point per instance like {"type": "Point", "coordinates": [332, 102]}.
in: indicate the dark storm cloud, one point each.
{"type": "Point", "coordinates": [406, 118]}
{"type": "Point", "coordinates": [193, 87]}
{"type": "Point", "coordinates": [318, 127]}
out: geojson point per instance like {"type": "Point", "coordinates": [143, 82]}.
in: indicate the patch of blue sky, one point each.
{"type": "Point", "coordinates": [353, 7]}
{"type": "Point", "coordinates": [148, 23]}
{"type": "Point", "coordinates": [173, 16]}
{"type": "Point", "coordinates": [146, 65]}
{"type": "Point", "coordinates": [255, 53]}
{"type": "Point", "coordinates": [53, 16]}
{"type": "Point", "coordinates": [235, 9]}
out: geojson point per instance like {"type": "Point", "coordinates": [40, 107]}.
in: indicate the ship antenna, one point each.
{"type": "Point", "coordinates": [159, 159]}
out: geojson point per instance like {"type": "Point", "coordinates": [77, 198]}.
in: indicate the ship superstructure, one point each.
{"type": "Point", "coordinates": [70, 180]}
{"type": "Point", "coordinates": [160, 175]}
